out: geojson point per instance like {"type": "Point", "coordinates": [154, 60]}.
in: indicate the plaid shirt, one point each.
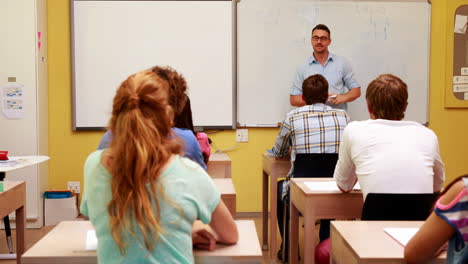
{"type": "Point", "coordinates": [316, 128]}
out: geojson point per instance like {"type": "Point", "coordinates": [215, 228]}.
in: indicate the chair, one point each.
{"type": "Point", "coordinates": [315, 165]}
{"type": "Point", "coordinates": [398, 206]}
{"type": "Point", "coordinates": [308, 165]}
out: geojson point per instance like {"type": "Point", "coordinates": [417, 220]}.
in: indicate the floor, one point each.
{"type": "Point", "coordinates": [34, 235]}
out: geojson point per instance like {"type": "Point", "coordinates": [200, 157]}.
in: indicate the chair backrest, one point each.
{"type": "Point", "coordinates": [315, 165]}
{"type": "Point", "coordinates": [398, 206]}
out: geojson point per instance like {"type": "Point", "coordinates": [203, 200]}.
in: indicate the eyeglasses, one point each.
{"type": "Point", "coordinates": [323, 39]}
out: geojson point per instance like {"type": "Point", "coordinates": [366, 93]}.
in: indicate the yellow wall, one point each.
{"type": "Point", "coordinates": [68, 150]}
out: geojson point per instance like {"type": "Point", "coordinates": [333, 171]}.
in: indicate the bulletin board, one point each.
{"type": "Point", "coordinates": [456, 93]}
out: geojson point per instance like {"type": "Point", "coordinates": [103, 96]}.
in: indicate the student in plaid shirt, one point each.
{"type": "Point", "coordinates": [313, 128]}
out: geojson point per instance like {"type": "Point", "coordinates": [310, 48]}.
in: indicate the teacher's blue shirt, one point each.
{"type": "Point", "coordinates": [337, 71]}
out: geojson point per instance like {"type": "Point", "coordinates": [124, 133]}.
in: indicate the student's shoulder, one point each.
{"type": "Point", "coordinates": [421, 129]}
{"type": "Point", "coordinates": [294, 112]}
{"type": "Point", "coordinates": [338, 111]}
{"type": "Point", "coordinates": [185, 167]}
{"type": "Point", "coordinates": [454, 194]}
{"type": "Point", "coordinates": [94, 157]}
{"type": "Point", "coordinates": [357, 125]}
{"type": "Point", "coordinates": [183, 133]}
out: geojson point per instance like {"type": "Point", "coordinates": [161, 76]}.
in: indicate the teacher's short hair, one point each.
{"type": "Point", "coordinates": [321, 27]}
{"type": "Point", "coordinates": [315, 89]}
{"type": "Point", "coordinates": [387, 97]}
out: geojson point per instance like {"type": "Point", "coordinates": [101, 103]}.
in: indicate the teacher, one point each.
{"type": "Point", "coordinates": [343, 88]}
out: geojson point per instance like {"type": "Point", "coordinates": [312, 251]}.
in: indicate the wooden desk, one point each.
{"type": "Point", "coordinates": [228, 193]}
{"type": "Point", "coordinates": [272, 169]}
{"type": "Point", "coordinates": [12, 164]}
{"type": "Point", "coordinates": [366, 242]}
{"type": "Point", "coordinates": [219, 165]}
{"type": "Point", "coordinates": [66, 243]}
{"type": "Point", "coordinates": [317, 205]}
{"type": "Point", "coordinates": [13, 198]}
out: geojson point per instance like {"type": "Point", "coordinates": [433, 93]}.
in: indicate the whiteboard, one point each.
{"type": "Point", "coordinates": [375, 36]}
{"type": "Point", "coordinates": [114, 39]}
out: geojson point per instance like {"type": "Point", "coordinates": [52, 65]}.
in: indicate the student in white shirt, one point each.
{"type": "Point", "coordinates": [385, 153]}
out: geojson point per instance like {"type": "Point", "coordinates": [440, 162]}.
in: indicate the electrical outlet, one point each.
{"type": "Point", "coordinates": [74, 185]}
{"type": "Point", "coordinates": [242, 135]}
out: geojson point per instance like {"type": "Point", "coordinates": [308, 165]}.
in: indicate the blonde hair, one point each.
{"type": "Point", "coordinates": [142, 144]}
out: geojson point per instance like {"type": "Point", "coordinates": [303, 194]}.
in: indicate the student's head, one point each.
{"type": "Point", "coordinates": [184, 119]}
{"type": "Point", "coordinates": [321, 39]}
{"type": "Point", "coordinates": [177, 87]}
{"type": "Point", "coordinates": [387, 98]}
{"type": "Point", "coordinates": [315, 89]}
{"type": "Point", "coordinates": [178, 98]}
{"type": "Point", "coordinates": [142, 144]}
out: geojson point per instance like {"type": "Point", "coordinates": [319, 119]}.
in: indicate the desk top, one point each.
{"type": "Point", "coordinates": [10, 185]}
{"type": "Point", "coordinates": [12, 197]}
{"type": "Point", "coordinates": [300, 183]}
{"type": "Point", "coordinates": [66, 243]}
{"type": "Point", "coordinates": [225, 186]}
{"type": "Point", "coordinates": [359, 235]}
{"type": "Point", "coordinates": [278, 167]}
{"type": "Point", "coordinates": [19, 162]}
{"type": "Point", "coordinates": [219, 157]}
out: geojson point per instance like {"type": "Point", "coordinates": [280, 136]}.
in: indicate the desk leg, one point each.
{"type": "Point", "coordinates": [6, 221]}
{"type": "Point", "coordinates": [309, 237]}
{"type": "Point", "coordinates": [265, 210]}
{"type": "Point", "coordinates": [273, 217]}
{"type": "Point", "coordinates": [293, 235]}
{"type": "Point", "coordinates": [20, 233]}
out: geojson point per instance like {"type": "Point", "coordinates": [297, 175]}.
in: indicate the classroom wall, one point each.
{"type": "Point", "coordinates": [68, 150]}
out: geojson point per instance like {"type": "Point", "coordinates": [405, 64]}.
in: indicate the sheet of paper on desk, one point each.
{"type": "Point", "coordinates": [8, 163]}
{"type": "Point", "coordinates": [91, 240]}
{"type": "Point", "coordinates": [322, 186]}
{"type": "Point", "coordinates": [357, 186]}
{"type": "Point", "coordinates": [400, 234]}
{"type": "Point", "coordinates": [326, 186]}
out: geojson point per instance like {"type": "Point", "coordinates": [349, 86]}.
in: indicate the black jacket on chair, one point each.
{"type": "Point", "coordinates": [398, 206]}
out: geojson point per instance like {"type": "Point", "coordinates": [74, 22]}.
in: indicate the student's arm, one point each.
{"type": "Point", "coordinates": [345, 170]}
{"type": "Point", "coordinates": [433, 234]}
{"type": "Point", "coordinates": [296, 100]}
{"type": "Point", "coordinates": [350, 96]}
{"type": "Point", "coordinates": [282, 146]}
{"type": "Point", "coordinates": [439, 171]}
{"type": "Point", "coordinates": [203, 237]}
{"type": "Point", "coordinates": [347, 190]}
{"type": "Point", "coordinates": [223, 225]}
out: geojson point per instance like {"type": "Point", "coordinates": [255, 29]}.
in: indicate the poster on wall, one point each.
{"type": "Point", "coordinates": [13, 100]}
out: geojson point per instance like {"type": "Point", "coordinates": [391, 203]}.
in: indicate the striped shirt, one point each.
{"type": "Point", "coordinates": [316, 128]}
{"type": "Point", "coordinates": [456, 215]}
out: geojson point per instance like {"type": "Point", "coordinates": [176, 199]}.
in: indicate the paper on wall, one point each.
{"type": "Point", "coordinates": [460, 24]}
{"type": "Point", "coordinates": [13, 100]}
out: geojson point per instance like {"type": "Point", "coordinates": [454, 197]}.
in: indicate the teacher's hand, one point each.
{"type": "Point", "coordinates": [340, 99]}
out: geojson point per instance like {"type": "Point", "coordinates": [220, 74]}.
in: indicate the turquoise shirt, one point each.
{"type": "Point", "coordinates": [185, 183]}
{"type": "Point", "coordinates": [337, 71]}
